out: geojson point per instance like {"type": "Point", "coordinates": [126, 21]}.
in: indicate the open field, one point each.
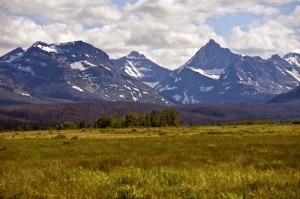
{"type": "Point", "coordinates": [256, 161]}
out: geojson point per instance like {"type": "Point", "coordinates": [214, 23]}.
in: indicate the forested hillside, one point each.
{"type": "Point", "coordinates": [26, 117]}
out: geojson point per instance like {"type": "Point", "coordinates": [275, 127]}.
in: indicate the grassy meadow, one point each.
{"type": "Point", "coordinates": [255, 161]}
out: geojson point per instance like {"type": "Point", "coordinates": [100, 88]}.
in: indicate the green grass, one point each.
{"type": "Point", "coordinates": [258, 161]}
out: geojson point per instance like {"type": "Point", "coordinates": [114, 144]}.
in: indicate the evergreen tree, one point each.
{"type": "Point", "coordinates": [131, 119]}
{"type": "Point", "coordinates": [155, 117]}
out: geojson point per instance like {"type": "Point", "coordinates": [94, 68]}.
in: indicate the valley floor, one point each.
{"type": "Point", "coordinates": [255, 161]}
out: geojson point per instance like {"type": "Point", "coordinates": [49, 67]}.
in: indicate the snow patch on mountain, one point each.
{"type": "Point", "coordinates": [89, 63]}
{"type": "Point", "coordinates": [77, 88]}
{"type": "Point", "coordinates": [214, 73]}
{"type": "Point", "coordinates": [177, 97]}
{"type": "Point", "coordinates": [131, 70]}
{"type": "Point", "coordinates": [50, 49]}
{"type": "Point", "coordinates": [77, 66]}
{"type": "Point", "coordinates": [151, 84]}
{"type": "Point", "coordinates": [25, 94]}
{"type": "Point", "coordinates": [189, 99]}
{"type": "Point", "coordinates": [295, 74]}
{"type": "Point", "coordinates": [206, 88]}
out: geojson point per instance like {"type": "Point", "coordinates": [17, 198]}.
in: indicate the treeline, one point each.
{"type": "Point", "coordinates": [156, 118]}
{"type": "Point", "coordinates": [85, 115]}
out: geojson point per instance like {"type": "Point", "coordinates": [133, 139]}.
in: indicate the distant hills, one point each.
{"type": "Point", "coordinates": [79, 72]}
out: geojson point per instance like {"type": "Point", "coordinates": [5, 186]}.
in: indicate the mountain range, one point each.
{"type": "Point", "coordinates": [216, 75]}
{"type": "Point", "coordinates": [78, 71]}
{"type": "Point", "coordinates": [67, 72]}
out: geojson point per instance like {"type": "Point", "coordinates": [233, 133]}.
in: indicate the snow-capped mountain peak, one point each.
{"type": "Point", "coordinates": [212, 56]}
{"type": "Point", "coordinates": [140, 67]}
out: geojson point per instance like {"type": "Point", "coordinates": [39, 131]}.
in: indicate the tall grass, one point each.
{"type": "Point", "coordinates": [185, 162]}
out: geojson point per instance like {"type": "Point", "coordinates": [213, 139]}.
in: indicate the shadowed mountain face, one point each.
{"type": "Point", "coordinates": [292, 96]}
{"type": "Point", "coordinates": [140, 67]}
{"type": "Point", "coordinates": [74, 71]}
{"type": "Point", "coordinates": [216, 75]}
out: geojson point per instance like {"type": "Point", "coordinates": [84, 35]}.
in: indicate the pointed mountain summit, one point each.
{"type": "Point", "coordinates": [212, 57]}
{"type": "Point", "coordinates": [67, 72]}
{"type": "Point", "coordinates": [192, 82]}
{"type": "Point", "coordinates": [140, 67]}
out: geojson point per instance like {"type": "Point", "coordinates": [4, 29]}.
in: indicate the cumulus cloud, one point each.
{"type": "Point", "coordinates": [167, 31]}
{"type": "Point", "coordinates": [65, 11]}
{"type": "Point", "coordinates": [23, 32]}
{"type": "Point", "coordinates": [272, 36]}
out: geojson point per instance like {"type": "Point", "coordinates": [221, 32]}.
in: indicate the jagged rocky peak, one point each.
{"type": "Point", "coordinates": [39, 43]}
{"type": "Point", "coordinates": [82, 49]}
{"type": "Point", "coordinates": [276, 57]}
{"type": "Point", "coordinates": [18, 50]}
{"type": "Point", "coordinates": [211, 43]}
{"type": "Point", "coordinates": [135, 54]}
{"type": "Point", "coordinates": [212, 56]}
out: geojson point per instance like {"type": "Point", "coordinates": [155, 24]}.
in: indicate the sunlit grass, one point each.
{"type": "Point", "coordinates": [259, 161]}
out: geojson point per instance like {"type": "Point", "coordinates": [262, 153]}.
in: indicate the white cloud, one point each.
{"type": "Point", "coordinates": [20, 31]}
{"type": "Point", "coordinates": [65, 11]}
{"type": "Point", "coordinates": [167, 31]}
{"type": "Point", "coordinates": [273, 36]}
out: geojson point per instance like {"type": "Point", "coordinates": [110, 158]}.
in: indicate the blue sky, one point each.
{"type": "Point", "coordinates": [167, 31]}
